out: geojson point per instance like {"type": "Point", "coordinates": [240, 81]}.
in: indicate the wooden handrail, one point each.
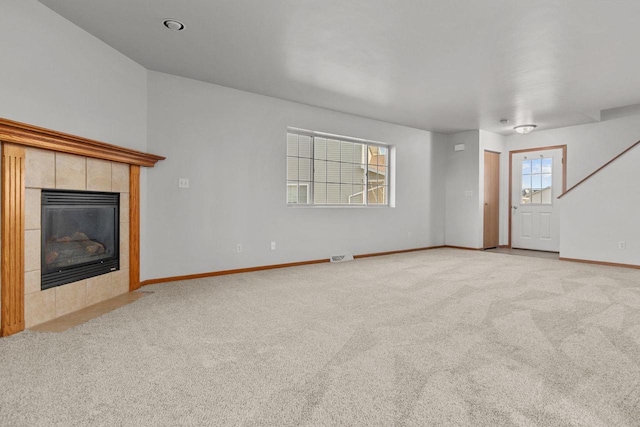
{"type": "Point", "coordinates": [599, 169]}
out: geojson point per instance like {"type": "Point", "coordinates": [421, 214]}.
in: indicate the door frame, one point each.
{"type": "Point", "coordinates": [525, 150]}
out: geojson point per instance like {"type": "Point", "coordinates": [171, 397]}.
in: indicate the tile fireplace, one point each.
{"type": "Point", "coordinates": [36, 161]}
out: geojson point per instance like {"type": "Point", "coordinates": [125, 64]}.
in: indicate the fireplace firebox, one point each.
{"type": "Point", "coordinates": [80, 235]}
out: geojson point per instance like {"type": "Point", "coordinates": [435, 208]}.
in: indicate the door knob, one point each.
{"type": "Point", "coordinates": [514, 207]}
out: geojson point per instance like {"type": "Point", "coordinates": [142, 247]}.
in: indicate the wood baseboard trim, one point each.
{"type": "Point", "coordinates": [270, 267]}
{"type": "Point", "coordinates": [226, 272]}
{"type": "Point", "coordinates": [504, 247]}
{"type": "Point", "coordinates": [320, 261]}
{"type": "Point", "coordinates": [608, 264]}
{"type": "Point", "coordinates": [401, 251]}
{"type": "Point", "coordinates": [464, 248]}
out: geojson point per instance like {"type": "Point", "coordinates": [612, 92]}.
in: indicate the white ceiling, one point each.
{"type": "Point", "coordinates": [441, 65]}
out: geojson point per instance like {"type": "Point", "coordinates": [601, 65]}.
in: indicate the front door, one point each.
{"type": "Point", "coordinates": [537, 182]}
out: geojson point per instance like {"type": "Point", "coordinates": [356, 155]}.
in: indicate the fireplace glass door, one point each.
{"type": "Point", "coordinates": [80, 235]}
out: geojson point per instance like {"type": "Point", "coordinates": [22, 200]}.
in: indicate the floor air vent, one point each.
{"type": "Point", "coordinates": [341, 258]}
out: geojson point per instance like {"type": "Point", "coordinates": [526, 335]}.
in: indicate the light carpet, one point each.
{"type": "Point", "coordinates": [439, 337]}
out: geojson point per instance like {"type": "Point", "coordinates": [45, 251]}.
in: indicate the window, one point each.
{"type": "Point", "coordinates": [328, 170]}
{"type": "Point", "coordinates": [537, 177]}
{"type": "Point", "coordinates": [298, 193]}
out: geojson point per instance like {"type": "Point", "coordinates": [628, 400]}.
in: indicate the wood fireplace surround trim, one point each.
{"type": "Point", "coordinates": [15, 136]}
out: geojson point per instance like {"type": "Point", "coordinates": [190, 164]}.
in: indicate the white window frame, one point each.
{"type": "Point", "coordinates": [365, 164]}
{"type": "Point", "coordinates": [298, 185]}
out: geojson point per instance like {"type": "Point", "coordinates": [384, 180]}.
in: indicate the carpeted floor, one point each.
{"type": "Point", "coordinates": [440, 337]}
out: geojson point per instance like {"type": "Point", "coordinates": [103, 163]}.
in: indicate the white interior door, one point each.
{"type": "Point", "coordinates": [537, 182]}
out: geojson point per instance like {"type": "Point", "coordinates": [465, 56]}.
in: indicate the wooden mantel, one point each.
{"type": "Point", "coordinates": [14, 137]}
{"type": "Point", "coordinates": [47, 139]}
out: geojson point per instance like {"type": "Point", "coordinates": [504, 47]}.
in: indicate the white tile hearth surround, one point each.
{"type": "Point", "coordinates": [48, 169]}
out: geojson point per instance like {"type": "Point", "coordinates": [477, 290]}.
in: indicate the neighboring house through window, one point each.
{"type": "Point", "coordinates": [330, 170]}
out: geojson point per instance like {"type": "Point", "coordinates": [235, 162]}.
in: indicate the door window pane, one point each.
{"type": "Point", "coordinates": [536, 198]}
{"type": "Point", "coordinates": [536, 166]}
{"type": "Point", "coordinates": [536, 183]}
{"type": "Point", "coordinates": [526, 189]}
{"type": "Point", "coordinates": [537, 178]}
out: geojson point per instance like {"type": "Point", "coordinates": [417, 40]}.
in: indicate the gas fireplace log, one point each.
{"type": "Point", "coordinates": [67, 250]}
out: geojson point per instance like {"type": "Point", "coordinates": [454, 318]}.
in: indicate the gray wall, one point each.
{"type": "Point", "coordinates": [57, 76]}
{"type": "Point", "coordinates": [465, 187]}
{"type": "Point", "coordinates": [597, 215]}
{"type": "Point", "coordinates": [463, 223]}
{"type": "Point", "coordinates": [232, 146]}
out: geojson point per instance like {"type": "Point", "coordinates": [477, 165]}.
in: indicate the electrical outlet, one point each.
{"type": "Point", "coordinates": [408, 234]}
{"type": "Point", "coordinates": [273, 246]}
{"type": "Point", "coordinates": [622, 245]}
{"type": "Point", "coordinates": [183, 183]}
{"type": "Point", "coordinates": [468, 193]}
{"type": "Point", "coordinates": [239, 248]}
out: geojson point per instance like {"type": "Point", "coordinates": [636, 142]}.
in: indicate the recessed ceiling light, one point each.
{"type": "Point", "coordinates": [172, 24]}
{"type": "Point", "coordinates": [524, 129]}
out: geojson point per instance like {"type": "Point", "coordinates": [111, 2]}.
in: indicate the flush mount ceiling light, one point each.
{"type": "Point", "coordinates": [524, 129]}
{"type": "Point", "coordinates": [172, 24]}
